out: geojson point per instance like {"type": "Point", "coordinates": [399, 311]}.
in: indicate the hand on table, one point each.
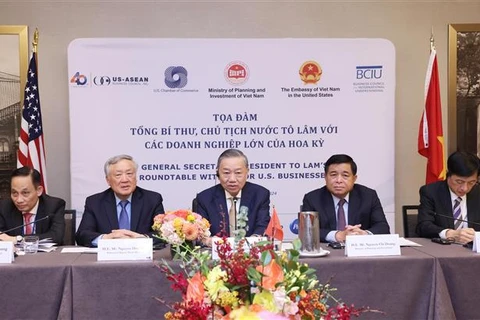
{"type": "Point", "coordinates": [350, 230]}
{"type": "Point", "coordinates": [122, 234]}
{"type": "Point", "coordinates": [461, 236]}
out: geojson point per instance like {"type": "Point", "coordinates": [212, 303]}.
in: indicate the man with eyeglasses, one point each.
{"type": "Point", "coordinates": [122, 211]}
{"type": "Point", "coordinates": [222, 204]}
{"type": "Point", "coordinates": [344, 207]}
{"type": "Point", "coordinates": [447, 207]}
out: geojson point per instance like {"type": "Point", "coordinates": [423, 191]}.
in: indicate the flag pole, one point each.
{"type": "Point", "coordinates": [35, 40]}
{"type": "Point", "coordinates": [432, 41]}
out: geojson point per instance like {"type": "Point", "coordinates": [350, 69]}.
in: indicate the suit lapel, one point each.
{"type": "Point", "coordinates": [110, 208]}
{"type": "Point", "coordinates": [136, 208]}
{"type": "Point", "coordinates": [353, 204]}
{"type": "Point", "coordinates": [17, 218]}
{"type": "Point", "coordinates": [39, 227]}
{"type": "Point", "coordinates": [246, 197]}
{"type": "Point", "coordinates": [329, 209]}
{"type": "Point", "coordinates": [220, 203]}
{"type": "Point", "coordinates": [473, 208]}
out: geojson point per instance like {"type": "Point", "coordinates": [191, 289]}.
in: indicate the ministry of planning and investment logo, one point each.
{"type": "Point", "coordinates": [236, 73]}
{"type": "Point", "coordinates": [176, 77]}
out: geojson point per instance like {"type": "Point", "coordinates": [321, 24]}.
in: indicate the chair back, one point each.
{"type": "Point", "coordinates": [410, 218]}
{"type": "Point", "coordinates": [70, 217]}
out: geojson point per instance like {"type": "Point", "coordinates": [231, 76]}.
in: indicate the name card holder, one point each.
{"type": "Point", "coordinates": [139, 249]}
{"type": "Point", "coordinates": [249, 242]}
{"type": "Point", "coordinates": [6, 252]}
{"type": "Point", "coordinates": [476, 242]}
{"type": "Point", "coordinates": [372, 245]}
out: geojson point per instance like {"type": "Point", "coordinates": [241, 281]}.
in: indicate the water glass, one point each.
{"type": "Point", "coordinates": [30, 244]}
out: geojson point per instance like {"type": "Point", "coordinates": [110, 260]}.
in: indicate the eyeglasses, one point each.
{"type": "Point", "coordinates": [469, 184]}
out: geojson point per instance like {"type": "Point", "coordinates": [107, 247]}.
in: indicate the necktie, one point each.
{"type": "Point", "coordinates": [341, 216]}
{"type": "Point", "coordinates": [123, 222]}
{"type": "Point", "coordinates": [232, 216]}
{"type": "Point", "coordinates": [457, 213]}
{"type": "Point", "coordinates": [26, 218]}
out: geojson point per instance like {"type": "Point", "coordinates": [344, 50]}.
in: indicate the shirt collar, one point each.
{"type": "Point", "coordinates": [336, 200]}
{"type": "Point", "coordinates": [228, 195]}
{"type": "Point", "coordinates": [117, 199]}
{"type": "Point", "coordinates": [454, 197]}
{"type": "Point", "coordinates": [35, 208]}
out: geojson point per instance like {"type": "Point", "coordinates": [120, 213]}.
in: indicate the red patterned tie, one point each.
{"type": "Point", "coordinates": [26, 217]}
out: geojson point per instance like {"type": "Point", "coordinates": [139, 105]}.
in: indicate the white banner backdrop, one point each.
{"type": "Point", "coordinates": [288, 104]}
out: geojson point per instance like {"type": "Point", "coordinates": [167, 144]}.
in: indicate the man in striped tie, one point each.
{"type": "Point", "coordinates": [450, 209]}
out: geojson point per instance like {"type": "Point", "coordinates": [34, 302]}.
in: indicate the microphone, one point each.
{"type": "Point", "coordinates": [26, 224]}
{"type": "Point", "coordinates": [457, 219]}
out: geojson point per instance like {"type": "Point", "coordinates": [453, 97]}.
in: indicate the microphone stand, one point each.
{"type": "Point", "coordinates": [25, 224]}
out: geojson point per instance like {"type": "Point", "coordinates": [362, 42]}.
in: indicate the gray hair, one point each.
{"type": "Point", "coordinates": [232, 153]}
{"type": "Point", "coordinates": [116, 159]}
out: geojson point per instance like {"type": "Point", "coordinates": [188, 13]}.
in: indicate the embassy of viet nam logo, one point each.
{"type": "Point", "coordinates": [176, 77]}
{"type": "Point", "coordinates": [79, 79]}
{"type": "Point", "coordinates": [310, 72]}
{"type": "Point", "coordinates": [236, 73]}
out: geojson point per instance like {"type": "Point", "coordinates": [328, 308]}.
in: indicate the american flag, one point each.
{"type": "Point", "coordinates": [31, 149]}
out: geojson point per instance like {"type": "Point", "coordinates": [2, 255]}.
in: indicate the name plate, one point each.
{"type": "Point", "coordinates": [476, 242]}
{"type": "Point", "coordinates": [372, 245]}
{"type": "Point", "coordinates": [6, 252]}
{"type": "Point", "coordinates": [246, 246]}
{"type": "Point", "coordinates": [125, 249]}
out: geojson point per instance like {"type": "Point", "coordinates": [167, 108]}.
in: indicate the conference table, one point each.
{"type": "Point", "coordinates": [428, 282]}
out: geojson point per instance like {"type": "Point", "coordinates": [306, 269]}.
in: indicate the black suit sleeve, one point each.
{"type": "Point", "coordinates": [429, 225]}
{"type": "Point", "coordinates": [378, 221]}
{"type": "Point", "coordinates": [263, 214]}
{"type": "Point", "coordinates": [55, 207]}
{"type": "Point", "coordinates": [88, 229]}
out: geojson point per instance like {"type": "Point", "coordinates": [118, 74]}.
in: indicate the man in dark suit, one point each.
{"type": "Point", "coordinates": [345, 208]}
{"type": "Point", "coordinates": [28, 203]}
{"type": "Point", "coordinates": [458, 197]}
{"type": "Point", "coordinates": [122, 211]}
{"type": "Point", "coordinates": [223, 215]}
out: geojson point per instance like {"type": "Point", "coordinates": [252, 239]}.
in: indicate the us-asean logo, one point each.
{"type": "Point", "coordinates": [176, 77]}
{"type": "Point", "coordinates": [236, 73]}
{"type": "Point", "coordinates": [310, 72]}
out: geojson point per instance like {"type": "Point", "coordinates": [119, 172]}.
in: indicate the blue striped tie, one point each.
{"type": "Point", "coordinates": [457, 213]}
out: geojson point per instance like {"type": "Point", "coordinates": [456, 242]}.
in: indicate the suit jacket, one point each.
{"type": "Point", "coordinates": [100, 214]}
{"type": "Point", "coordinates": [364, 208]}
{"type": "Point", "coordinates": [212, 205]}
{"type": "Point", "coordinates": [435, 198]}
{"type": "Point", "coordinates": [53, 227]}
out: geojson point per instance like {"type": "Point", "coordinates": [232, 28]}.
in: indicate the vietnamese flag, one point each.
{"type": "Point", "coordinates": [430, 134]}
{"type": "Point", "coordinates": [274, 228]}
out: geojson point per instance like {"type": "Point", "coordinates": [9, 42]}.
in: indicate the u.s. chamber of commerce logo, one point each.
{"type": "Point", "coordinates": [176, 77]}
{"type": "Point", "coordinates": [79, 79]}
{"type": "Point", "coordinates": [236, 73]}
{"type": "Point", "coordinates": [294, 226]}
{"type": "Point", "coordinates": [310, 72]}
